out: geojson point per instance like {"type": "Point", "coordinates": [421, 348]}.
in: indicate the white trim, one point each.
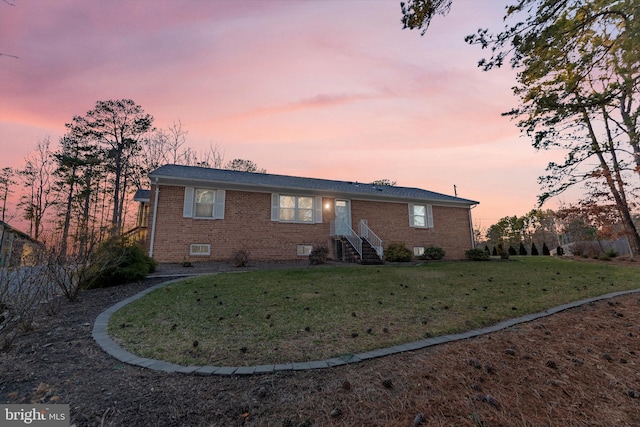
{"type": "Point", "coordinates": [218, 204]}
{"type": "Point", "coordinates": [318, 210]}
{"type": "Point", "coordinates": [187, 209]}
{"type": "Point", "coordinates": [275, 207]}
{"type": "Point", "coordinates": [428, 215]}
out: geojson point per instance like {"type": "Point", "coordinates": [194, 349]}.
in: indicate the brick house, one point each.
{"type": "Point", "coordinates": [201, 214]}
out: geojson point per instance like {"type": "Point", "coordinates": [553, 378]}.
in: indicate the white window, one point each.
{"type": "Point", "coordinates": [420, 216]}
{"type": "Point", "coordinates": [304, 250]}
{"type": "Point", "coordinates": [203, 203]}
{"type": "Point", "coordinates": [302, 209]}
{"type": "Point", "coordinates": [200, 249]}
{"type": "Point", "coordinates": [418, 250]}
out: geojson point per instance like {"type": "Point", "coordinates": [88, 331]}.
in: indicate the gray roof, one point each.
{"type": "Point", "coordinates": [251, 181]}
{"type": "Point", "coordinates": [142, 195]}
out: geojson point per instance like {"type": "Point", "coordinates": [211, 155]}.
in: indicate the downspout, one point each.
{"type": "Point", "coordinates": [473, 241]}
{"type": "Point", "coordinates": [153, 220]}
{"type": "Point", "coordinates": [2, 258]}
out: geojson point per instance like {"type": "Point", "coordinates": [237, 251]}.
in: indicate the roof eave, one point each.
{"type": "Point", "coordinates": [179, 181]}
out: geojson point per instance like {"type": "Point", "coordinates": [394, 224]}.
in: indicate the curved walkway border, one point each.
{"type": "Point", "coordinates": [102, 338]}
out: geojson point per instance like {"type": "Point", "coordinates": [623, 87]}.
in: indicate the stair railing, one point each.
{"type": "Point", "coordinates": [367, 234]}
{"type": "Point", "coordinates": [342, 229]}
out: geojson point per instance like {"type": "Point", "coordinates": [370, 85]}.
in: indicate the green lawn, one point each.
{"type": "Point", "coordinates": [315, 313]}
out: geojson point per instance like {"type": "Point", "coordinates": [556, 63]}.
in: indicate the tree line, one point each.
{"type": "Point", "coordinates": [78, 192]}
{"type": "Point", "coordinates": [581, 228]}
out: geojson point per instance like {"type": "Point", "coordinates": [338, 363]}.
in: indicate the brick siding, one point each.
{"type": "Point", "coordinates": [247, 224]}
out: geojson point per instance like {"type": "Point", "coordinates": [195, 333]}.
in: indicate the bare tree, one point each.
{"type": "Point", "coordinates": [37, 177]}
{"type": "Point", "coordinates": [211, 158]}
{"type": "Point", "coordinates": [176, 138]}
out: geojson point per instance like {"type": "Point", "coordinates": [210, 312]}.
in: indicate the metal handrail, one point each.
{"type": "Point", "coordinates": [371, 237]}
{"type": "Point", "coordinates": [349, 234]}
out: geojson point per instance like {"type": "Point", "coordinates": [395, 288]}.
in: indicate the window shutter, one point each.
{"type": "Point", "coordinates": [275, 207]}
{"type": "Point", "coordinates": [412, 222]}
{"type": "Point", "coordinates": [318, 210]}
{"type": "Point", "coordinates": [187, 210]}
{"type": "Point", "coordinates": [429, 216]}
{"type": "Point", "coordinates": [218, 205]}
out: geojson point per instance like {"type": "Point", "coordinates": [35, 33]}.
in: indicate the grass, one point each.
{"type": "Point", "coordinates": [296, 315]}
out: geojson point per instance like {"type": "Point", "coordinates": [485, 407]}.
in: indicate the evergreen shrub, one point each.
{"type": "Point", "coordinates": [476, 255]}
{"type": "Point", "coordinates": [522, 250]}
{"type": "Point", "coordinates": [534, 250]}
{"type": "Point", "coordinates": [115, 262]}
{"type": "Point", "coordinates": [433, 252]}
{"type": "Point", "coordinates": [398, 252]}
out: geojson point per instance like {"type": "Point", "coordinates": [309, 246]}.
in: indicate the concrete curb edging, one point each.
{"type": "Point", "coordinates": [102, 338]}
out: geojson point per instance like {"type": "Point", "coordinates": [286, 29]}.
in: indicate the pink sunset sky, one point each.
{"type": "Point", "coordinates": [323, 89]}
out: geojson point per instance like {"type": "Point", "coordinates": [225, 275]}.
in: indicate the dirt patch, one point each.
{"type": "Point", "coordinates": [576, 368]}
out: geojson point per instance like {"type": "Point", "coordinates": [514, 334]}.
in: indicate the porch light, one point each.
{"type": "Point", "coordinates": [327, 206]}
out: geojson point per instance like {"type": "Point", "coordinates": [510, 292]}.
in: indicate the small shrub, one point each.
{"type": "Point", "coordinates": [545, 250]}
{"type": "Point", "coordinates": [240, 257]}
{"type": "Point", "coordinates": [512, 251]}
{"type": "Point", "coordinates": [495, 251]}
{"type": "Point", "coordinates": [504, 255]}
{"type": "Point", "coordinates": [611, 253]}
{"type": "Point", "coordinates": [318, 254]}
{"type": "Point", "coordinates": [559, 251]}
{"type": "Point", "coordinates": [476, 255]}
{"type": "Point", "coordinates": [21, 292]}
{"type": "Point", "coordinates": [486, 249]}
{"type": "Point", "coordinates": [433, 252]}
{"type": "Point", "coordinates": [522, 250]}
{"type": "Point", "coordinates": [398, 252]}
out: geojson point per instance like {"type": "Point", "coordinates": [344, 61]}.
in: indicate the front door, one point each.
{"type": "Point", "coordinates": [343, 217]}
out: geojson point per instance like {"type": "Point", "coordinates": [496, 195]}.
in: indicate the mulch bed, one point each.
{"type": "Point", "coordinates": [577, 368]}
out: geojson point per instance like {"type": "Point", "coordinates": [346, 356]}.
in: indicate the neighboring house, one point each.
{"type": "Point", "coordinates": [199, 214]}
{"type": "Point", "coordinates": [17, 248]}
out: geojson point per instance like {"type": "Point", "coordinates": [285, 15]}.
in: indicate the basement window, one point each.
{"type": "Point", "coordinates": [418, 250]}
{"type": "Point", "coordinates": [200, 249]}
{"type": "Point", "coordinates": [304, 250]}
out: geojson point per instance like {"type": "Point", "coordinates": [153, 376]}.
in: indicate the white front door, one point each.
{"type": "Point", "coordinates": [343, 217]}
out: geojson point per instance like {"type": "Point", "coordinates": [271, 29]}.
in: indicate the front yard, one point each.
{"type": "Point", "coordinates": [296, 315]}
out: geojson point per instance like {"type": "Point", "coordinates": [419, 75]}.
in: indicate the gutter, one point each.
{"type": "Point", "coordinates": [153, 220]}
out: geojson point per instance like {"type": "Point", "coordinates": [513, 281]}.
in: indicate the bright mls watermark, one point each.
{"type": "Point", "coordinates": [34, 415]}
